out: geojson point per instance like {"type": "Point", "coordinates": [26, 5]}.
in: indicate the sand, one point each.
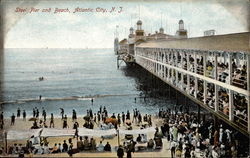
{"type": "Point", "coordinates": [20, 124]}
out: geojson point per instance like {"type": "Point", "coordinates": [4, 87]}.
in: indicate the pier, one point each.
{"type": "Point", "coordinates": [213, 71]}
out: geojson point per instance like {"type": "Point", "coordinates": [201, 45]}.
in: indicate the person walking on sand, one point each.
{"type": "Point", "coordinates": [51, 121]}
{"type": "Point", "coordinates": [44, 115]}
{"type": "Point", "coordinates": [123, 117]}
{"type": "Point", "coordinates": [24, 115]}
{"type": "Point", "coordinates": [119, 119]}
{"type": "Point", "coordinates": [65, 124]}
{"type": "Point", "coordinates": [34, 112]}
{"type": "Point", "coordinates": [18, 112]}
{"type": "Point", "coordinates": [37, 113]}
{"type": "Point", "coordinates": [74, 117]}
{"type": "Point", "coordinates": [62, 112]}
{"type": "Point", "coordinates": [120, 152]}
{"type": "Point", "coordinates": [129, 153]}
{"type": "Point", "coordinates": [13, 119]}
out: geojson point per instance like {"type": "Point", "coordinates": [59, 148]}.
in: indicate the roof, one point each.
{"type": "Point", "coordinates": [181, 22]}
{"type": "Point", "coordinates": [228, 42]}
{"type": "Point", "coordinates": [139, 22]}
{"type": "Point", "coordinates": [139, 41]}
{"type": "Point", "coordinates": [124, 41]}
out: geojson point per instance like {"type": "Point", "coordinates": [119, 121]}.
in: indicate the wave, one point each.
{"type": "Point", "coordinates": [89, 97]}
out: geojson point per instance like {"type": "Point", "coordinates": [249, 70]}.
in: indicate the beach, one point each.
{"type": "Point", "coordinates": [20, 124]}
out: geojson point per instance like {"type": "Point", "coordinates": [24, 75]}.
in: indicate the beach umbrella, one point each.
{"type": "Point", "coordinates": [111, 120]}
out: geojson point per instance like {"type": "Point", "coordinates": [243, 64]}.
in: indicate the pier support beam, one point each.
{"type": "Point", "coordinates": [248, 88]}
{"type": "Point", "coordinates": [172, 76]}
{"type": "Point", "coordinates": [205, 92]}
{"type": "Point", "coordinates": [199, 113]}
{"type": "Point", "coordinates": [168, 78]}
{"type": "Point", "coordinates": [231, 105]}
{"type": "Point", "coordinates": [182, 54]}
{"type": "Point", "coordinates": [176, 77]}
{"type": "Point", "coordinates": [216, 68]}
{"type": "Point", "coordinates": [176, 59]}
{"type": "Point", "coordinates": [216, 108]}
{"type": "Point", "coordinates": [230, 91]}
{"type": "Point", "coordinates": [182, 81]}
{"type": "Point", "coordinates": [195, 62]}
{"type": "Point", "coordinates": [172, 58]}
{"type": "Point", "coordinates": [230, 68]}
{"type": "Point", "coordinates": [195, 87]}
{"type": "Point", "coordinates": [204, 64]}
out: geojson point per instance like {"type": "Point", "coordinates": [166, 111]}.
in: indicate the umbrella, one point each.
{"type": "Point", "coordinates": [112, 120]}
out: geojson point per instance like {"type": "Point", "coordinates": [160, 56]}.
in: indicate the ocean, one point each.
{"type": "Point", "coordinates": [71, 78]}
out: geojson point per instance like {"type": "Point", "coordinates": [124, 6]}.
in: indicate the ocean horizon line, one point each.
{"type": "Point", "coordinates": [58, 48]}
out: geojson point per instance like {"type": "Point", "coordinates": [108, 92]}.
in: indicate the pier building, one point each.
{"type": "Point", "coordinates": [213, 71]}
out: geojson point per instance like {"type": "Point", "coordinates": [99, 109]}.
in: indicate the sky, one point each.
{"type": "Point", "coordinates": [96, 29]}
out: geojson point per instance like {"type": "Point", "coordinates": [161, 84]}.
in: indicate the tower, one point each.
{"type": "Point", "coordinates": [181, 32]}
{"type": "Point", "coordinates": [161, 30]}
{"type": "Point", "coordinates": [181, 25]}
{"type": "Point", "coordinates": [139, 31]}
{"type": "Point", "coordinates": [139, 24]}
{"type": "Point", "coordinates": [131, 30]}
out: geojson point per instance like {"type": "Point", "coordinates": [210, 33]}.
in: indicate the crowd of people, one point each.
{"type": "Point", "coordinates": [43, 147]}
{"type": "Point", "coordinates": [187, 136]}
{"type": "Point", "coordinates": [91, 120]}
{"type": "Point", "coordinates": [190, 138]}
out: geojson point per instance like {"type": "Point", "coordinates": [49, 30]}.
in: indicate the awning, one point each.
{"type": "Point", "coordinates": [95, 132]}
{"type": "Point", "coordinates": [23, 134]}
{"type": "Point", "coordinates": [52, 132]}
{"type": "Point", "coordinates": [138, 131]}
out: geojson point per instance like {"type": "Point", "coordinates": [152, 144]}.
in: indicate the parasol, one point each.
{"type": "Point", "coordinates": [111, 120]}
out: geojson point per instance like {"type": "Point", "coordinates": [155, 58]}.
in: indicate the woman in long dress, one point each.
{"type": "Point", "coordinates": [216, 138]}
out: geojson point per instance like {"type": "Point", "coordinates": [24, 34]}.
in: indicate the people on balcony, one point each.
{"type": "Point", "coordinates": [223, 72]}
{"type": "Point", "coordinates": [210, 69]}
{"type": "Point", "coordinates": [240, 109]}
{"type": "Point", "coordinates": [210, 95]}
{"type": "Point", "coordinates": [200, 65]}
{"type": "Point", "coordinates": [239, 75]}
{"type": "Point", "coordinates": [223, 99]}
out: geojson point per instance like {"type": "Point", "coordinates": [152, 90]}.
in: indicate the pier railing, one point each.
{"type": "Point", "coordinates": [169, 65]}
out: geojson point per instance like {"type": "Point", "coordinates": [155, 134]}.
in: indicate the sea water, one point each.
{"type": "Point", "coordinates": [72, 77]}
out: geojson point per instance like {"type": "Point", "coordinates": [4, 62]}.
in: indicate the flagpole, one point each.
{"type": "Point", "coordinates": [118, 136]}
